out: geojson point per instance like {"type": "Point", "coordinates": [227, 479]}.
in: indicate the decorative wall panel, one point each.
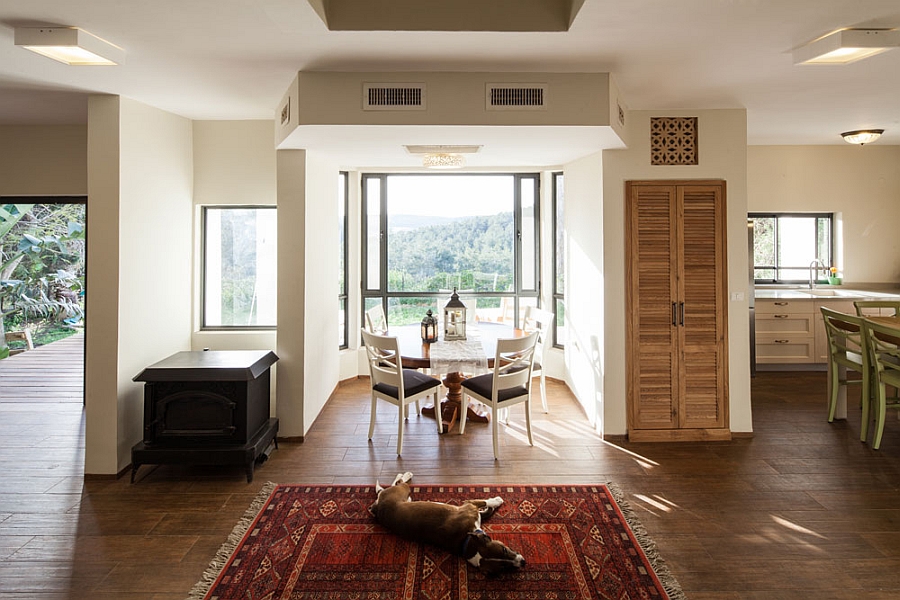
{"type": "Point", "coordinates": [673, 141]}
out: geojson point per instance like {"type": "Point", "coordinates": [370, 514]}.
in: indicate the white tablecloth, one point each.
{"type": "Point", "coordinates": [462, 356]}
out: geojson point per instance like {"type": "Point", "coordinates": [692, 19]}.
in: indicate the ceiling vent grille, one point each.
{"type": "Point", "coordinates": [393, 96]}
{"type": "Point", "coordinates": [516, 96]}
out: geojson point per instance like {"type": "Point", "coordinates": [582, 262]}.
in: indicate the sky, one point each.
{"type": "Point", "coordinates": [450, 195]}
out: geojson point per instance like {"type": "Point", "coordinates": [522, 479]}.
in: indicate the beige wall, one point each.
{"type": "Point", "coordinates": [43, 160]}
{"type": "Point", "coordinates": [722, 155]}
{"type": "Point", "coordinates": [292, 315]}
{"type": "Point", "coordinates": [102, 310]}
{"type": "Point", "coordinates": [860, 184]}
{"type": "Point", "coordinates": [141, 179]}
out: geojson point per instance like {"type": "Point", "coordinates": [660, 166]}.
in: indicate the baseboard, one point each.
{"type": "Point", "coordinates": [680, 435]}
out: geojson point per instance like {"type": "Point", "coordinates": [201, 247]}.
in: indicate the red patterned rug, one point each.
{"type": "Point", "coordinates": [300, 542]}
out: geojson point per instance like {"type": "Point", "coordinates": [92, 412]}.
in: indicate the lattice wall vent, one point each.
{"type": "Point", "coordinates": [393, 96]}
{"type": "Point", "coordinates": [516, 96]}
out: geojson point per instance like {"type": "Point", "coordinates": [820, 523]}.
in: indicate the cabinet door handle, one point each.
{"type": "Point", "coordinates": [782, 341]}
{"type": "Point", "coordinates": [781, 316]}
{"type": "Point", "coordinates": [682, 314]}
{"type": "Point", "coordinates": [673, 315]}
{"type": "Point", "coordinates": [781, 303]}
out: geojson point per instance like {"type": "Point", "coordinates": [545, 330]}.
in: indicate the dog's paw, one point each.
{"type": "Point", "coordinates": [402, 477]}
{"type": "Point", "coordinates": [494, 502]}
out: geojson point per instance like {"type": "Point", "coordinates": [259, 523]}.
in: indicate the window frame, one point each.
{"type": "Point", "coordinates": [343, 295]}
{"type": "Point", "coordinates": [203, 265]}
{"type": "Point", "coordinates": [382, 294]}
{"type": "Point", "coordinates": [827, 261]}
{"type": "Point", "coordinates": [558, 296]}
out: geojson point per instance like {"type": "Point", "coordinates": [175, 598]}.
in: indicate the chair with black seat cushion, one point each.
{"type": "Point", "coordinates": [884, 351]}
{"type": "Point", "coordinates": [507, 385]}
{"type": "Point", "coordinates": [846, 348]}
{"type": "Point", "coordinates": [394, 384]}
{"type": "Point", "coordinates": [539, 320]}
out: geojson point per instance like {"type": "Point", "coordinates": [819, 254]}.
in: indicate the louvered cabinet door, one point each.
{"type": "Point", "coordinates": [676, 310]}
{"type": "Point", "coordinates": [703, 291]}
{"type": "Point", "coordinates": [653, 339]}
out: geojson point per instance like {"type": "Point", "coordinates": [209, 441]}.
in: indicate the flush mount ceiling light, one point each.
{"type": "Point", "coordinates": [846, 46]}
{"type": "Point", "coordinates": [69, 45]}
{"type": "Point", "coordinates": [862, 136]}
{"type": "Point", "coordinates": [442, 160]}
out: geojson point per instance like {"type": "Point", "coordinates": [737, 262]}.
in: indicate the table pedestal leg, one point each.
{"type": "Point", "coordinates": [451, 404]}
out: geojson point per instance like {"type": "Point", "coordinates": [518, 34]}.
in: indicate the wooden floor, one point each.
{"type": "Point", "coordinates": [802, 510]}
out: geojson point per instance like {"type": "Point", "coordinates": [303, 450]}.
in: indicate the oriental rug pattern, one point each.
{"type": "Point", "coordinates": [300, 542]}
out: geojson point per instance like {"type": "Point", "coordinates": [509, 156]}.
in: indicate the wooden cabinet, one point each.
{"type": "Point", "coordinates": [676, 319]}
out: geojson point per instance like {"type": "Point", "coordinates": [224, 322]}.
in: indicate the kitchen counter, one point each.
{"type": "Point", "coordinates": [823, 292]}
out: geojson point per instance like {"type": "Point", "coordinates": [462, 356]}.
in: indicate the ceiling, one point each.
{"type": "Point", "coordinates": [234, 59]}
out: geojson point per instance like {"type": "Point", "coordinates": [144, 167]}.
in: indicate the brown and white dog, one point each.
{"type": "Point", "coordinates": [456, 529]}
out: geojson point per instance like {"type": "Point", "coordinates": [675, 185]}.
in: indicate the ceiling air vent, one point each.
{"type": "Point", "coordinates": [393, 96]}
{"type": "Point", "coordinates": [516, 96]}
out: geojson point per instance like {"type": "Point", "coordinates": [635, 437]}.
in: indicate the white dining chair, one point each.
{"type": "Point", "coordinates": [394, 384]}
{"type": "Point", "coordinates": [541, 321]}
{"type": "Point", "coordinates": [507, 385]}
{"type": "Point", "coordinates": [376, 322]}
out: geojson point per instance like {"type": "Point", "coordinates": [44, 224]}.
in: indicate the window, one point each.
{"type": "Point", "coordinates": [786, 244]}
{"type": "Point", "coordinates": [343, 225]}
{"type": "Point", "coordinates": [239, 267]}
{"type": "Point", "coordinates": [425, 234]}
{"type": "Point", "coordinates": [559, 262]}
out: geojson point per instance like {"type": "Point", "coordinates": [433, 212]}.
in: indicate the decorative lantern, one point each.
{"type": "Point", "coordinates": [454, 319]}
{"type": "Point", "coordinates": [429, 328]}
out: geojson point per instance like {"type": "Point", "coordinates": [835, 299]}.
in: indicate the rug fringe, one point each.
{"type": "Point", "coordinates": [202, 587]}
{"type": "Point", "coordinates": [669, 582]}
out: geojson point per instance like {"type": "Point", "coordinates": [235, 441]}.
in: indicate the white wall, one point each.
{"type": "Point", "coordinates": [140, 186]}
{"type": "Point", "coordinates": [321, 275]}
{"type": "Point", "coordinates": [722, 155]}
{"type": "Point", "coordinates": [861, 184]}
{"type": "Point", "coordinates": [585, 286]}
{"type": "Point", "coordinates": [46, 160]}
{"type": "Point", "coordinates": [234, 164]}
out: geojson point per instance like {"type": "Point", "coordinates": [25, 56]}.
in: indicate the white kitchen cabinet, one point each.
{"type": "Point", "coordinates": [785, 331]}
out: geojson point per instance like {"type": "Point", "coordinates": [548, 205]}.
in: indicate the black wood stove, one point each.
{"type": "Point", "coordinates": [207, 407]}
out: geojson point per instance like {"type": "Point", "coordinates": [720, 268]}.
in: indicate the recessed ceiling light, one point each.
{"type": "Point", "coordinates": [846, 46]}
{"type": "Point", "coordinates": [69, 45]}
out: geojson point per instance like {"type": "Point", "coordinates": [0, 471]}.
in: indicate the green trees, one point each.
{"type": "Point", "coordinates": [468, 253]}
{"type": "Point", "coordinates": [41, 264]}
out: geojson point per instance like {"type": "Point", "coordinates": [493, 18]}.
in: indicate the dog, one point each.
{"type": "Point", "coordinates": [456, 529]}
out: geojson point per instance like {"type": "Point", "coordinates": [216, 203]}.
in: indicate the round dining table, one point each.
{"type": "Point", "coordinates": [416, 354]}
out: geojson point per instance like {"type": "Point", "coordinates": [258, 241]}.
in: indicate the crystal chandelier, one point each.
{"type": "Point", "coordinates": [442, 160]}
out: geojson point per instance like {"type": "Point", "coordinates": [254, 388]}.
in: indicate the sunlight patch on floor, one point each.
{"type": "Point", "coordinates": [794, 527]}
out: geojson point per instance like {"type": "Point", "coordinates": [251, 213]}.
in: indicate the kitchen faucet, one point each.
{"type": "Point", "coordinates": [814, 274]}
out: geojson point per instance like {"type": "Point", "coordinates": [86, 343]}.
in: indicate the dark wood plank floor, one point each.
{"type": "Point", "coordinates": [802, 510]}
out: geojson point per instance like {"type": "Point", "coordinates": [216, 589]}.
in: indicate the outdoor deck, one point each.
{"type": "Point", "coordinates": [48, 374]}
